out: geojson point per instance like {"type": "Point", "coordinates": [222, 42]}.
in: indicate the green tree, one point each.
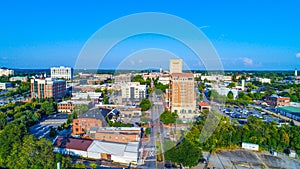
{"type": "Point", "coordinates": [32, 154]}
{"type": "Point", "coordinates": [145, 104]}
{"type": "Point", "coordinates": [185, 153]}
{"type": "Point", "coordinates": [48, 107]}
{"type": "Point", "coordinates": [168, 117]}
{"type": "Point", "coordinates": [230, 95]}
{"type": "Point", "coordinates": [11, 135]}
{"type": "Point", "coordinates": [78, 110]}
{"type": "Point", "coordinates": [231, 85]}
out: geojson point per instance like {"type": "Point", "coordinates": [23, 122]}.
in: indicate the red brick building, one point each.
{"type": "Point", "coordinates": [47, 88]}
{"type": "Point", "coordinates": [68, 106]}
{"type": "Point", "coordinates": [275, 100]}
{"type": "Point", "coordinates": [82, 125]}
{"type": "Point", "coordinates": [116, 134]}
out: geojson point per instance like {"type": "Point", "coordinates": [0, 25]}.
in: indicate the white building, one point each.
{"type": "Point", "coordinates": [19, 78]}
{"type": "Point", "coordinates": [250, 146]}
{"type": "Point", "coordinates": [164, 80]}
{"type": "Point", "coordinates": [217, 78]}
{"type": "Point", "coordinates": [224, 91]}
{"type": "Point", "coordinates": [6, 72]}
{"type": "Point", "coordinates": [62, 72]}
{"type": "Point", "coordinates": [117, 152]}
{"type": "Point", "coordinates": [133, 91]}
{"type": "Point", "coordinates": [264, 80]}
{"type": "Point", "coordinates": [4, 86]}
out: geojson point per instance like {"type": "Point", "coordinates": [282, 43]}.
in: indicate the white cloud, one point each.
{"type": "Point", "coordinates": [247, 61]}
{"type": "Point", "coordinates": [297, 55]}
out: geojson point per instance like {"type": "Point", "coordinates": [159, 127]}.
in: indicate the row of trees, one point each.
{"type": "Point", "coordinates": [18, 149]}
{"type": "Point", "coordinates": [230, 135]}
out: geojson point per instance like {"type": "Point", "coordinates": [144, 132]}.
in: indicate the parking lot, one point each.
{"type": "Point", "coordinates": [42, 129]}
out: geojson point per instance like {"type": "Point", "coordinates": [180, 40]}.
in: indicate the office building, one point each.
{"type": "Point", "coordinates": [175, 66]}
{"type": "Point", "coordinates": [182, 98]}
{"type": "Point", "coordinates": [48, 88]}
{"type": "Point", "coordinates": [62, 73]}
{"type": "Point", "coordinates": [133, 92]}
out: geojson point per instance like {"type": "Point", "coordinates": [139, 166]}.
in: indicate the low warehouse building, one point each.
{"type": "Point", "coordinates": [95, 149]}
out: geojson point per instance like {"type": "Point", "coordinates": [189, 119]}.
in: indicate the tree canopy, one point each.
{"type": "Point", "coordinates": [168, 117]}
{"type": "Point", "coordinates": [145, 104]}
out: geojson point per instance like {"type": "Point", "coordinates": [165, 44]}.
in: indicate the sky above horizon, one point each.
{"type": "Point", "coordinates": [247, 35]}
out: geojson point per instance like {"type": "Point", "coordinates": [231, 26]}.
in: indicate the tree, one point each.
{"type": "Point", "coordinates": [230, 95]}
{"type": "Point", "coordinates": [145, 104]}
{"type": "Point", "coordinates": [168, 117]}
{"type": "Point", "coordinates": [32, 154]}
{"type": "Point", "coordinates": [161, 86]}
{"type": "Point", "coordinates": [78, 110]}
{"type": "Point", "coordinates": [185, 153]}
{"type": "Point", "coordinates": [48, 107]}
{"type": "Point", "coordinates": [2, 120]}
{"type": "Point", "coordinates": [231, 85]}
{"type": "Point", "coordinates": [138, 78]}
{"type": "Point", "coordinates": [11, 135]}
{"type": "Point", "coordinates": [88, 98]}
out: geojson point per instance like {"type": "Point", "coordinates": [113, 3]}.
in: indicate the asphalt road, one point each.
{"type": "Point", "coordinates": [156, 127]}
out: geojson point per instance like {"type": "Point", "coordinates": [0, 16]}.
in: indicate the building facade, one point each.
{"type": "Point", "coordinates": [175, 66]}
{"type": "Point", "coordinates": [83, 125]}
{"type": "Point", "coordinates": [4, 86]}
{"type": "Point", "coordinates": [182, 98]}
{"type": "Point", "coordinates": [47, 88]}
{"type": "Point", "coordinates": [19, 78]}
{"type": "Point", "coordinates": [133, 92]}
{"type": "Point", "coordinates": [6, 72]}
{"type": "Point", "coordinates": [68, 106]}
{"type": "Point", "coordinates": [122, 78]}
{"type": "Point", "coordinates": [275, 100]}
{"type": "Point", "coordinates": [62, 72]}
{"type": "Point", "coordinates": [116, 134]}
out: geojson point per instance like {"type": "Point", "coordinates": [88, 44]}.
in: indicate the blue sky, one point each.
{"type": "Point", "coordinates": [248, 35]}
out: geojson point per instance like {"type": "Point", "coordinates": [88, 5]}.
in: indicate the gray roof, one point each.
{"type": "Point", "coordinates": [118, 149]}
{"type": "Point", "coordinates": [96, 113]}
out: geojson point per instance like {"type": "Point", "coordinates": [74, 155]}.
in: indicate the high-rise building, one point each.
{"type": "Point", "coordinates": [175, 66]}
{"type": "Point", "coordinates": [62, 72]}
{"type": "Point", "coordinates": [182, 99]}
{"type": "Point", "coordinates": [296, 74]}
{"type": "Point", "coordinates": [48, 88]}
{"type": "Point", "coordinates": [6, 72]}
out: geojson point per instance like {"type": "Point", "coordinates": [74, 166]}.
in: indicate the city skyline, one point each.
{"type": "Point", "coordinates": [246, 35]}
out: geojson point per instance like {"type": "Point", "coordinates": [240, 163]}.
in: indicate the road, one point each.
{"type": "Point", "coordinates": [156, 135]}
